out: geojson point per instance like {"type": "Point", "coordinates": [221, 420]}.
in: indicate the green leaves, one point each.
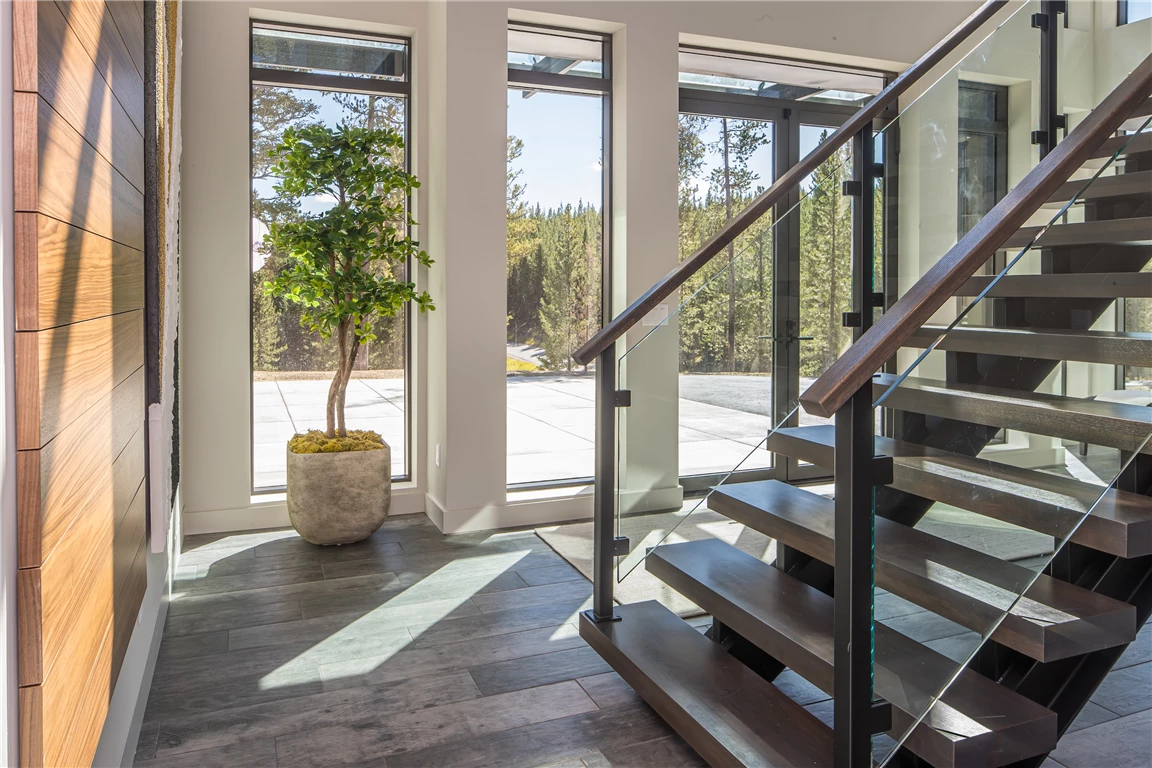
{"type": "Point", "coordinates": [348, 262]}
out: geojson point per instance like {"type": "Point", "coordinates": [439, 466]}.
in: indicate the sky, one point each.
{"type": "Point", "coordinates": [562, 147]}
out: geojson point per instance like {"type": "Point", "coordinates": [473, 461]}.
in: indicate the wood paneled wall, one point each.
{"type": "Point", "coordinates": [79, 221]}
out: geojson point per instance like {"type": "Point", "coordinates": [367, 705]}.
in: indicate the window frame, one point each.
{"type": "Point", "coordinates": [265, 77]}
{"type": "Point", "coordinates": [589, 86]}
{"type": "Point", "coordinates": [997, 128]}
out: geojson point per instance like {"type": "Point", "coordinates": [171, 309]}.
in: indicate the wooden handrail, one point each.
{"type": "Point", "coordinates": [668, 284]}
{"type": "Point", "coordinates": [879, 343]}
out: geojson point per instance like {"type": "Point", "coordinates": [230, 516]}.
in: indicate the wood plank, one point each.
{"type": "Point", "coordinates": [73, 741]}
{"type": "Point", "coordinates": [60, 480]}
{"type": "Point", "coordinates": [76, 366]}
{"type": "Point", "coordinates": [1086, 285]}
{"type": "Point", "coordinates": [975, 722]}
{"type": "Point", "coordinates": [31, 726]}
{"type": "Point", "coordinates": [1052, 620]}
{"type": "Point", "coordinates": [1117, 425]}
{"type": "Point", "coordinates": [1120, 522]}
{"type": "Point", "coordinates": [60, 175]}
{"type": "Point", "coordinates": [879, 343]}
{"type": "Point", "coordinates": [1103, 187]}
{"type": "Point", "coordinates": [1105, 347]}
{"type": "Point", "coordinates": [129, 18]}
{"type": "Point", "coordinates": [97, 33]}
{"type": "Point", "coordinates": [517, 674]}
{"type": "Point", "coordinates": [68, 81]}
{"type": "Point", "coordinates": [724, 710]}
{"type": "Point", "coordinates": [1135, 231]}
{"type": "Point", "coordinates": [126, 606]}
{"type": "Point", "coordinates": [67, 275]}
{"type": "Point", "coordinates": [1132, 145]}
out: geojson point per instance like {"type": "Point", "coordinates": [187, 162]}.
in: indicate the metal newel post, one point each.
{"type": "Point", "coordinates": [855, 467]}
{"type": "Point", "coordinates": [604, 534]}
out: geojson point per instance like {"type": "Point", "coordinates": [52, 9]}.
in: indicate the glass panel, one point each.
{"type": "Point", "coordinates": [297, 50]}
{"type": "Point", "coordinates": [291, 366]}
{"type": "Point", "coordinates": [725, 375]}
{"type": "Point", "coordinates": [994, 469]}
{"type": "Point", "coordinates": [724, 424]}
{"type": "Point", "coordinates": [556, 53]}
{"type": "Point", "coordinates": [555, 215]}
{"type": "Point", "coordinates": [825, 261]}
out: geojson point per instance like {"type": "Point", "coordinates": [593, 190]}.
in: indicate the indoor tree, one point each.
{"type": "Point", "coordinates": [347, 265]}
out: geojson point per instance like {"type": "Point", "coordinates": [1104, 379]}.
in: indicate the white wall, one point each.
{"type": "Point", "coordinates": [459, 130]}
{"type": "Point", "coordinates": [8, 698]}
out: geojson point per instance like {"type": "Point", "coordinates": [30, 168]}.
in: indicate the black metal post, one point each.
{"type": "Point", "coordinates": [1051, 120]}
{"type": "Point", "coordinates": [603, 525]}
{"type": "Point", "coordinates": [856, 477]}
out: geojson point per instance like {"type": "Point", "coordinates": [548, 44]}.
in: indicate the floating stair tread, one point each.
{"type": "Point", "coordinates": [1131, 145]}
{"type": "Point", "coordinates": [976, 720]}
{"type": "Point", "coordinates": [1081, 285]}
{"type": "Point", "coordinates": [1052, 620]}
{"type": "Point", "coordinates": [1134, 231]}
{"type": "Point", "coordinates": [1120, 522]}
{"type": "Point", "coordinates": [1118, 425]}
{"type": "Point", "coordinates": [1118, 185]}
{"type": "Point", "coordinates": [1106, 347]}
{"type": "Point", "coordinates": [724, 710]}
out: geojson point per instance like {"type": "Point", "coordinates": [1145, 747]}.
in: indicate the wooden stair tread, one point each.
{"type": "Point", "coordinates": [724, 710]}
{"type": "Point", "coordinates": [1117, 425]}
{"type": "Point", "coordinates": [1087, 285]}
{"type": "Point", "coordinates": [1053, 619]}
{"type": "Point", "coordinates": [1120, 522]}
{"type": "Point", "coordinates": [1107, 347]}
{"type": "Point", "coordinates": [1134, 146]}
{"type": "Point", "coordinates": [1134, 231]}
{"type": "Point", "coordinates": [976, 719]}
{"type": "Point", "coordinates": [1118, 185]}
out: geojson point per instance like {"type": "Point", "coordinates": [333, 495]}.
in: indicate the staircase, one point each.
{"type": "Point", "coordinates": [1045, 639]}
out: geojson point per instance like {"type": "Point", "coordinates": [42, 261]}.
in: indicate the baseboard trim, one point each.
{"type": "Point", "coordinates": [273, 513]}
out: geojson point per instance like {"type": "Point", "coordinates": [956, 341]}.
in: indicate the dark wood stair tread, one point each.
{"type": "Point", "coordinates": [1135, 231]}
{"type": "Point", "coordinates": [1117, 425]}
{"type": "Point", "coordinates": [1086, 285]}
{"type": "Point", "coordinates": [1102, 187]}
{"type": "Point", "coordinates": [975, 722]}
{"type": "Point", "coordinates": [1106, 347]}
{"type": "Point", "coordinates": [724, 710]}
{"type": "Point", "coordinates": [1053, 619]}
{"type": "Point", "coordinates": [1120, 522]}
{"type": "Point", "coordinates": [1131, 146]}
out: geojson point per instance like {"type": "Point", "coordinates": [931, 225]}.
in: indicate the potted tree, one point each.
{"type": "Point", "coordinates": [347, 269]}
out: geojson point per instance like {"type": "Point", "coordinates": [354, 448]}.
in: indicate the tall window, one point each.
{"type": "Point", "coordinates": [1128, 11]}
{"type": "Point", "coordinates": [302, 76]}
{"type": "Point", "coordinates": [983, 151]}
{"type": "Point", "coordinates": [558, 90]}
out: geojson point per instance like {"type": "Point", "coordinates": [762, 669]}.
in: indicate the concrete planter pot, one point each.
{"type": "Point", "coordinates": [339, 498]}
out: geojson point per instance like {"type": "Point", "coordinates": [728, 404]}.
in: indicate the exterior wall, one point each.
{"type": "Point", "coordinates": [78, 179]}
{"type": "Point", "coordinates": [459, 130]}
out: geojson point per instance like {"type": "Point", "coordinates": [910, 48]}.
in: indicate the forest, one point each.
{"type": "Point", "coordinates": [554, 255]}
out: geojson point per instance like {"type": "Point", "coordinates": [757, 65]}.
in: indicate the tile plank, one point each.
{"type": "Point", "coordinates": [534, 671]}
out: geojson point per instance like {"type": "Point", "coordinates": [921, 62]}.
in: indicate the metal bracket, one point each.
{"type": "Point", "coordinates": [851, 320]}
{"type": "Point", "coordinates": [881, 470]}
{"type": "Point", "coordinates": [876, 299]}
{"type": "Point", "coordinates": [591, 616]}
{"type": "Point", "coordinates": [851, 188]}
{"type": "Point", "coordinates": [1040, 21]}
{"type": "Point", "coordinates": [623, 398]}
{"type": "Point", "coordinates": [881, 715]}
{"type": "Point", "coordinates": [1060, 122]}
{"type": "Point", "coordinates": [621, 546]}
{"type": "Point", "coordinates": [1039, 137]}
{"type": "Point", "coordinates": [877, 170]}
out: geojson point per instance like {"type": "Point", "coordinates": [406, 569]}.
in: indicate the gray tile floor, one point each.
{"type": "Point", "coordinates": [420, 650]}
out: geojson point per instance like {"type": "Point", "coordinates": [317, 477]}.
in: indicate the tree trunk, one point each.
{"type": "Point", "coordinates": [348, 348]}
